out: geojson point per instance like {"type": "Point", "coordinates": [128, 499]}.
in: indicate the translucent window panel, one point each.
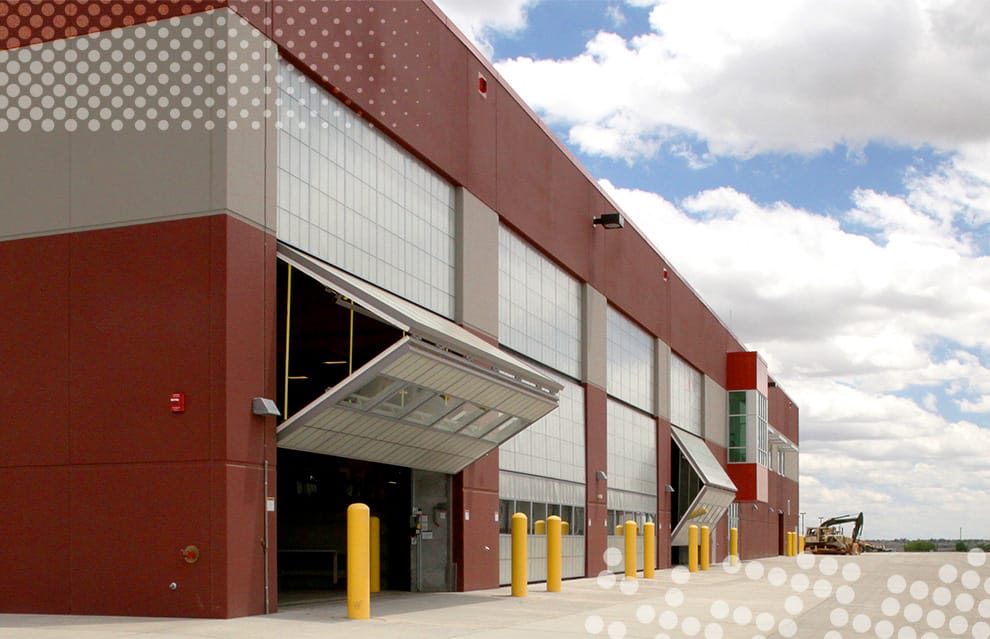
{"type": "Point", "coordinates": [554, 445]}
{"type": "Point", "coordinates": [539, 306]}
{"type": "Point", "coordinates": [432, 410]}
{"type": "Point", "coordinates": [464, 415]}
{"type": "Point", "coordinates": [354, 198]}
{"type": "Point", "coordinates": [632, 450]}
{"type": "Point", "coordinates": [402, 402]}
{"type": "Point", "coordinates": [630, 362]}
{"type": "Point", "coordinates": [685, 395]}
{"type": "Point", "coordinates": [369, 393]}
{"type": "Point", "coordinates": [506, 508]}
{"type": "Point", "coordinates": [485, 423]}
{"type": "Point", "coordinates": [539, 514]}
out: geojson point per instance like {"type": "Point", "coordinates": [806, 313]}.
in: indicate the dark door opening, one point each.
{"type": "Point", "coordinates": [781, 535]}
{"type": "Point", "coordinates": [314, 492]}
{"type": "Point", "coordinates": [687, 485]}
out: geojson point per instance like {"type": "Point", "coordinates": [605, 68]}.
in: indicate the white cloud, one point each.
{"type": "Point", "coordinates": [477, 19]}
{"type": "Point", "coordinates": [874, 319]}
{"type": "Point", "coordinates": [773, 75]}
{"type": "Point", "coordinates": [850, 325]}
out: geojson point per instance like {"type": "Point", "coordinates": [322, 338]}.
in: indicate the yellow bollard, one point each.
{"type": "Point", "coordinates": [692, 548]}
{"type": "Point", "coordinates": [649, 549]}
{"type": "Point", "coordinates": [539, 527]}
{"type": "Point", "coordinates": [800, 544]}
{"type": "Point", "coordinates": [630, 533]}
{"type": "Point", "coordinates": [618, 530]}
{"type": "Point", "coordinates": [358, 562]}
{"type": "Point", "coordinates": [554, 554]}
{"type": "Point", "coordinates": [733, 546]}
{"type": "Point", "coordinates": [706, 549]}
{"type": "Point", "coordinates": [793, 545]}
{"type": "Point", "coordinates": [519, 565]}
{"type": "Point", "coordinates": [376, 554]}
{"type": "Point", "coordinates": [565, 528]}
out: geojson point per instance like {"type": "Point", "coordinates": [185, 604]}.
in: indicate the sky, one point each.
{"type": "Point", "coordinates": [820, 173]}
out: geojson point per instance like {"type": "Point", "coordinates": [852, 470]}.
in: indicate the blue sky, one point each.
{"type": "Point", "coordinates": [820, 172]}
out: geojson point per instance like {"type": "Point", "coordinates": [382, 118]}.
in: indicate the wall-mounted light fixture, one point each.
{"type": "Point", "coordinates": [610, 220]}
{"type": "Point", "coordinates": [263, 406]}
{"type": "Point", "coordinates": [755, 507]}
{"type": "Point", "coordinates": [600, 474]}
{"type": "Point", "coordinates": [668, 488]}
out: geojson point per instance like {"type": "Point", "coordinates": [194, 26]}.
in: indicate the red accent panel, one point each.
{"type": "Point", "coordinates": [596, 458]}
{"type": "Point", "coordinates": [27, 22]}
{"type": "Point", "coordinates": [746, 371]}
{"type": "Point", "coordinates": [140, 328]}
{"type": "Point", "coordinates": [34, 352]}
{"type": "Point", "coordinates": [741, 370]}
{"type": "Point", "coordinates": [476, 492]}
{"type": "Point", "coordinates": [34, 555]}
{"type": "Point", "coordinates": [128, 525]}
{"type": "Point", "coordinates": [751, 480]}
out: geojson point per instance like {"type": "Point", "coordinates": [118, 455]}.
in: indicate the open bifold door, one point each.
{"type": "Point", "coordinates": [438, 399]}
{"type": "Point", "coordinates": [717, 490]}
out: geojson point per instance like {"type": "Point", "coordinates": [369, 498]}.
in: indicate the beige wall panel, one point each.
{"type": "Point", "coordinates": [595, 337]}
{"type": "Point", "coordinates": [716, 415]}
{"type": "Point", "coordinates": [476, 264]}
{"type": "Point", "coordinates": [34, 183]}
{"type": "Point", "coordinates": [663, 379]}
{"type": "Point", "coordinates": [247, 147]}
{"type": "Point", "coordinates": [129, 176]}
{"type": "Point", "coordinates": [128, 131]}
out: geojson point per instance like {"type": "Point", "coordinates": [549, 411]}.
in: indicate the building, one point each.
{"type": "Point", "coordinates": [212, 208]}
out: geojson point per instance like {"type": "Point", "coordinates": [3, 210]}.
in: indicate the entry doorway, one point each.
{"type": "Point", "coordinates": [314, 492]}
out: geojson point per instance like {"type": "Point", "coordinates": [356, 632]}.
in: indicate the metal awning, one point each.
{"type": "Point", "coordinates": [778, 440]}
{"type": "Point", "coordinates": [717, 490]}
{"type": "Point", "coordinates": [438, 399]}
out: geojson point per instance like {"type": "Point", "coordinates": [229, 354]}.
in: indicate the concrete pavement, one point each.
{"type": "Point", "coordinates": [902, 595]}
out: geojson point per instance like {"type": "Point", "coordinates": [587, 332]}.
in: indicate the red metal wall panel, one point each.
{"type": "Point", "coordinates": [124, 317]}
{"type": "Point", "coordinates": [27, 22]}
{"type": "Point", "coordinates": [596, 496]}
{"type": "Point", "coordinates": [783, 414]}
{"type": "Point", "coordinates": [475, 527]}
{"type": "Point", "coordinates": [240, 551]}
{"type": "Point", "coordinates": [128, 523]}
{"type": "Point", "coordinates": [34, 555]}
{"type": "Point", "coordinates": [34, 363]}
{"type": "Point", "coordinates": [139, 306]}
{"type": "Point", "coordinates": [396, 62]}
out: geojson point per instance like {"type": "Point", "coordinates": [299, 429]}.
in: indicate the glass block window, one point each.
{"type": "Point", "coordinates": [686, 386]}
{"type": "Point", "coordinates": [539, 311]}
{"type": "Point", "coordinates": [554, 445]}
{"type": "Point", "coordinates": [630, 362]}
{"type": "Point", "coordinates": [632, 450]}
{"type": "Point", "coordinates": [349, 195]}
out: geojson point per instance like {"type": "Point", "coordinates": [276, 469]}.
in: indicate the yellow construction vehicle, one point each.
{"type": "Point", "coordinates": [828, 538]}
